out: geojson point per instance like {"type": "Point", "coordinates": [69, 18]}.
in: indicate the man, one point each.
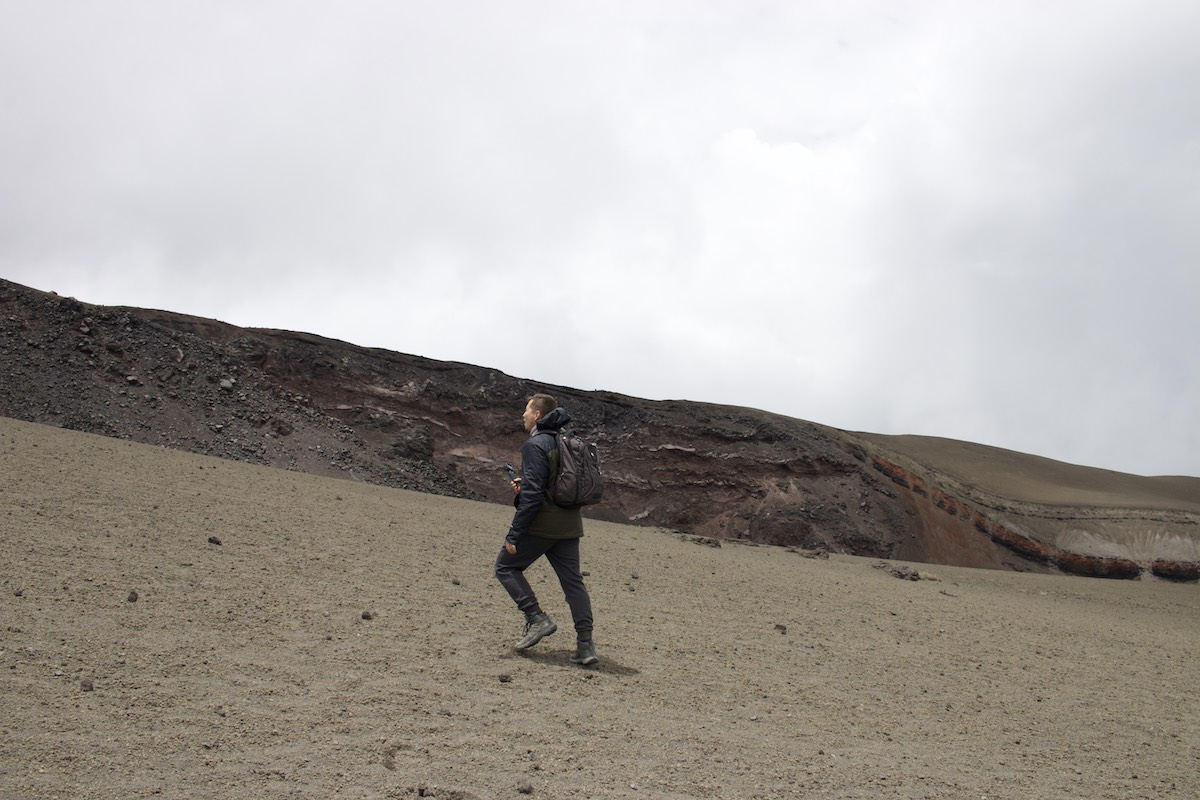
{"type": "Point", "coordinates": [540, 528]}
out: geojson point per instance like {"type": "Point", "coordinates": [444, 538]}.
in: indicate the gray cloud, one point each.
{"type": "Point", "coordinates": [968, 220]}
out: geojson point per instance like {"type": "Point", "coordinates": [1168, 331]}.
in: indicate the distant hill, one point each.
{"type": "Point", "coordinates": [302, 402]}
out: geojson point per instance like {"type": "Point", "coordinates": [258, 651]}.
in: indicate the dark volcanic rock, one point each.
{"type": "Point", "coordinates": [302, 402]}
{"type": "Point", "coordinates": [123, 373]}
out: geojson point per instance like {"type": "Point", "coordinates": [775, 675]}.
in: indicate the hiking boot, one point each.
{"type": "Point", "coordinates": [537, 627]}
{"type": "Point", "coordinates": [585, 654]}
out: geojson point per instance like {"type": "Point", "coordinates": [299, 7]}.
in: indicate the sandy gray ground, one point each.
{"type": "Point", "coordinates": [247, 669]}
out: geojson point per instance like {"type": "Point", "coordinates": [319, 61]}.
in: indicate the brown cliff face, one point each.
{"type": "Point", "coordinates": [1035, 509]}
{"type": "Point", "coordinates": [952, 531]}
{"type": "Point", "coordinates": [302, 402]}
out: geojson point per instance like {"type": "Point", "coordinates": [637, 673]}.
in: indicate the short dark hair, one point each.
{"type": "Point", "coordinates": [543, 402]}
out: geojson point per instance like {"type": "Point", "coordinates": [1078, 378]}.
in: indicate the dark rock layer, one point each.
{"type": "Point", "coordinates": [302, 402]}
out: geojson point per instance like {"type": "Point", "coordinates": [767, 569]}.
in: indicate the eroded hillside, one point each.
{"type": "Point", "coordinates": [303, 402]}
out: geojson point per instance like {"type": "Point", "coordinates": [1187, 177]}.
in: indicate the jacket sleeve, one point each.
{"type": "Point", "coordinates": [535, 478]}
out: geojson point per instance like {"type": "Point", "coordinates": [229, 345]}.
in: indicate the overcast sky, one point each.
{"type": "Point", "coordinates": [977, 220]}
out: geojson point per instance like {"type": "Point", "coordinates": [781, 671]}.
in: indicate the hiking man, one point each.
{"type": "Point", "coordinates": [540, 528]}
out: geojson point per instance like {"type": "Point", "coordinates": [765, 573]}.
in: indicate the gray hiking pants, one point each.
{"type": "Point", "coordinates": [563, 555]}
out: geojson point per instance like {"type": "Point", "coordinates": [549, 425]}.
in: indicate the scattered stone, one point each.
{"type": "Point", "coordinates": [368, 615]}
{"type": "Point", "coordinates": [87, 685]}
{"type": "Point", "coordinates": [456, 581]}
{"type": "Point", "coordinates": [214, 540]}
{"type": "Point", "coordinates": [635, 575]}
{"type": "Point", "coordinates": [19, 592]}
{"type": "Point", "coordinates": [781, 628]}
{"type": "Point", "coordinates": [133, 596]}
{"type": "Point", "coordinates": [904, 573]}
{"type": "Point", "coordinates": [426, 790]}
{"type": "Point", "coordinates": [525, 787]}
{"type": "Point", "coordinates": [505, 677]}
{"type": "Point", "coordinates": [707, 541]}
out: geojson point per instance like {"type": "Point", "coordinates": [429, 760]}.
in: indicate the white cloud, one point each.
{"type": "Point", "coordinates": [969, 220]}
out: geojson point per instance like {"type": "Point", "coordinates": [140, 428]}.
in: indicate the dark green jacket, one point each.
{"type": "Point", "coordinates": [536, 514]}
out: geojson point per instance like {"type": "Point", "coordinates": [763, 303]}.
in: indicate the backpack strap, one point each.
{"type": "Point", "coordinates": [553, 458]}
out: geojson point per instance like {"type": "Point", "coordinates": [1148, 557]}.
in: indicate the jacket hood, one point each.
{"type": "Point", "coordinates": [556, 419]}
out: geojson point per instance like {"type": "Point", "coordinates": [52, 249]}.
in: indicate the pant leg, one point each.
{"type": "Point", "coordinates": [510, 571]}
{"type": "Point", "coordinates": [563, 556]}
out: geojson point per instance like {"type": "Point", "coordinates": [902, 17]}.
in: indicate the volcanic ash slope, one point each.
{"type": "Point", "coordinates": [180, 626]}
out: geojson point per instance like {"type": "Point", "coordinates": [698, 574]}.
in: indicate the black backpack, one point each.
{"type": "Point", "coordinates": [577, 480]}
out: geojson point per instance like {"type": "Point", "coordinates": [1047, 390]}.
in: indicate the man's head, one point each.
{"type": "Point", "coordinates": [538, 406]}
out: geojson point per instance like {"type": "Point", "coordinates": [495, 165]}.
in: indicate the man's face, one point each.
{"type": "Point", "coordinates": [530, 417]}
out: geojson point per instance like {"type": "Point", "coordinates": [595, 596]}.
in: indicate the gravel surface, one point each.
{"type": "Point", "coordinates": [174, 625]}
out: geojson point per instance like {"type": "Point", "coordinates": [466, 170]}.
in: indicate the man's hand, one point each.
{"type": "Point", "coordinates": [516, 484]}
{"type": "Point", "coordinates": [510, 548]}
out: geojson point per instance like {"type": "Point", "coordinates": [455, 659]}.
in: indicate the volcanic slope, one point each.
{"type": "Point", "coordinates": [176, 625]}
{"type": "Point", "coordinates": [329, 408]}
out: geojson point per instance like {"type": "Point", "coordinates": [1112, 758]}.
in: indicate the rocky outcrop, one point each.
{"type": "Point", "coordinates": [302, 402]}
{"type": "Point", "coordinates": [953, 513]}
